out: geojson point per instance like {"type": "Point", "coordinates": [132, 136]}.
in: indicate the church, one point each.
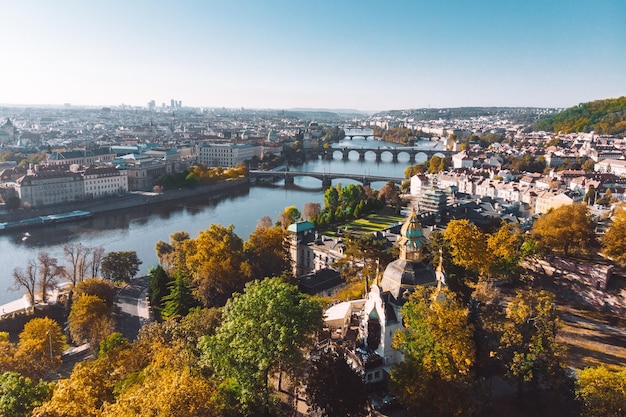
{"type": "Point", "coordinates": [381, 316]}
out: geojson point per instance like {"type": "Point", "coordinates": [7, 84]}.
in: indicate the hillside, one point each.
{"type": "Point", "coordinates": [602, 116]}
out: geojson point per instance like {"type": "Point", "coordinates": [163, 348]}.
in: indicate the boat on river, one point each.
{"type": "Point", "coordinates": [45, 220]}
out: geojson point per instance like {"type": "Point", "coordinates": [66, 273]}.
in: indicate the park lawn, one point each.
{"type": "Point", "coordinates": [373, 223]}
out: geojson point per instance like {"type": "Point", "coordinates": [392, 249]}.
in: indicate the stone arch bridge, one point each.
{"type": "Point", "coordinates": [325, 177]}
{"type": "Point", "coordinates": [412, 152]}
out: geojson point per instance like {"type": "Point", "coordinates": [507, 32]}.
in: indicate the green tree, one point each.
{"type": "Point", "coordinates": [602, 393]}
{"type": "Point", "coordinates": [19, 395]}
{"type": "Point", "coordinates": [334, 388]}
{"type": "Point", "coordinates": [528, 345]}
{"type": "Point", "coordinates": [159, 280]}
{"type": "Point", "coordinates": [120, 266]}
{"type": "Point", "coordinates": [180, 298]}
{"type": "Point", "coordinates": [264, 330]}
{"type": "Point", "coordinates": [567, 228]}
{"type": "Point", "coordinates": [438, 347]}
{"type": "Point", "coordinates": [614, 241]}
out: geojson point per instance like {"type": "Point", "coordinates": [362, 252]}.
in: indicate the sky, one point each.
{"type": "Point", "coordinates": [339, 54]}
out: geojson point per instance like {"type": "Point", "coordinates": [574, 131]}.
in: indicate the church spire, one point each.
{"type": "Point", "coordinates": [440, 274]}
{"type": "Point", "coordinates": [412, 239]}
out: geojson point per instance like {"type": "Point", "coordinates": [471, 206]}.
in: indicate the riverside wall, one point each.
{"type": "Point", "coordinates": [130, 200]}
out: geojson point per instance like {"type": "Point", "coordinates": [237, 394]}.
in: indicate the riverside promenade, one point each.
{"type": "Point", "coordinates": [127, 201]}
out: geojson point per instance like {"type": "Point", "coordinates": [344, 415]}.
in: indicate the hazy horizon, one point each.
{"type": "Point", "coordinates": [359, 56]}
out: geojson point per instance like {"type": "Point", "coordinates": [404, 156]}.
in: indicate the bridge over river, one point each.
{"type": "Point", "coordinates": [379, 151]}
{"type": "Point", "coordinates": [325, 177]}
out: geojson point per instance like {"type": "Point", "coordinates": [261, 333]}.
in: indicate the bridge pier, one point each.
{"type": "Point", "coordinates": [361, 156]}
{"type": "Point", "coordinates": [346, 154]}
{"type": "Point", "coordinates": [327, 182]}
{"type": "Point", "coordinates": [366, 182]}
{"type": "Point", "coordinates": [412, 157]}
{"type": "Point", "coordinates": [289, 179]}
{"type": "Point", "coordinates": [379, 157]}
{"type": "Point", "coordinates": [395, 157]}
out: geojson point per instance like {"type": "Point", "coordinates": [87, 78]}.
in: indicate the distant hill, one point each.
{"type": "Point", "coordinates": [520, 115]}
{"type": "Point", "coordinates": [601, 116]}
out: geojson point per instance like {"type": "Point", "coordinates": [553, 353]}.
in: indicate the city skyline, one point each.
{"type": "Point", "coordinates": [335, 55]}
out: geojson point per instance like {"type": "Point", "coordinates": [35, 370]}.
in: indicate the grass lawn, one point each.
{"type": "Point", "coordinates": [373, 223]}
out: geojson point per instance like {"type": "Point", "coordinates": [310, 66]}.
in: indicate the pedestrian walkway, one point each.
{"type": "Point", "coordinates": [19, 306]}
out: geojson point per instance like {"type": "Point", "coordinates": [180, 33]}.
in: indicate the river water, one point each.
{"type": "Point", "coordinates": [139, 229]}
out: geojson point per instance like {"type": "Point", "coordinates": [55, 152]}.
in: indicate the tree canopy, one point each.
{"type": "Point", "coordinates": [120, 266]}
{"type": "Point", "coordinates": [614, 241]}
{"type": "Point", "coordinates": [566, 229]}
{"type": "Point", "coordinates": [263, 330]}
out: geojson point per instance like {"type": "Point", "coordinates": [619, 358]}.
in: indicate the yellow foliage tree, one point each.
{"type": "Point", "coordinates": [614, 241]}
{"type": "Point", "coordinates": [601, 392]}
{"type": "Point", "coordinates": [565, 229]}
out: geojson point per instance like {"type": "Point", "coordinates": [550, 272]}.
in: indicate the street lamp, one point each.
{"type": "Point", "coordinates": [50, 340]}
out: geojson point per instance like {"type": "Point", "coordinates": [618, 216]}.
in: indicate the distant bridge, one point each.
{"type": "Point", "coordinates": [412, 152]}
{"type": "Point", "coordinates": [325, 177]}
{"type": "Point", "coordinates": [364, 132]}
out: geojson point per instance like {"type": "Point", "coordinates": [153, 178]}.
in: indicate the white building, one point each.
{"type": "Point", "coordinates": [226, 154]}
{"type": "Point", "coordinates": [104, 181]}
{"type": "Point", "coordinates": [614, 166]}
{"type": "Point", "coordinates": [47, 187]}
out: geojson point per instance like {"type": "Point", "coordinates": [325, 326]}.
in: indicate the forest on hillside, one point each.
{"type": "Point", "coordinates": [601, 116]}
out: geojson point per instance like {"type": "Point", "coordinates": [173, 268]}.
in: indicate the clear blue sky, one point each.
{"type": "Point", "coordinates": [351, 54]}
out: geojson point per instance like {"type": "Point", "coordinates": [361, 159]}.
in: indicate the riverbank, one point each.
{"type": "Point", "coordinates": [134, 199]}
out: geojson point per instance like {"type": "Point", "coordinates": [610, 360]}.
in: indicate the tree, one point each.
{"type": "Point", "coordinates": [264, 329]}
{"type": "Point", "coordinates": [26, 279]}
{"type": "Point", "coordinates": [311, 210]}
{"type": "Point", "coordinates": [76, 254]}
{"type": "Point", "coordinates": [49, 271]}
{"type": "Point", "coordinates": [19, 395]}
{"type": "Point", "coordinates": [590, 196]}
{"type": "Point", "coordinates": [266, 252]}
{"type": "Point", "coordinates": [95, 261]}
{"type": "Point", "coordinates": [528, 345]}
{"type": "Point", "coordinates": [98, 287]}
{"type": "Point", "coordinates": [468, 246]}
{"type": "Point", "coordinates": [439, 353]}
{"type": "Point", "coordinates": [89, 321]}
{"type": "Point", "coordinates": [569, 227]}
{"type": "Point", "coordinates": [602, 393]}
{"type": "Point", "coordinates": [390, 194]}
{"type": "Point", "coordinates": [180, 298]}
{"type": "Point", "coordinates": [289, 216]}
{"type": "Point", "coordinates": [159, 280]}
{"type": "Point", "coordinates": [214, 262]}
{"type": "Point", "coordinates": [334, 388]}
{"type": "Point", "coordinates": [363, 258]}
{"type": "Point", "coordinates": [120, 266]}
{"type": "Point", "coordinates": [39, 349]}
{"type": "Point", "coordinates": [614, 241]}
{"type": "Point", "coordinates": [505, 248]}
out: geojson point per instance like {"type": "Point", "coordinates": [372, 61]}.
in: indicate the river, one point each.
{"type": "Point", "coordinates": [139, 229]}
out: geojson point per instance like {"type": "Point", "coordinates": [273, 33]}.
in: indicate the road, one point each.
{"type": "Point", "coordinates": [132, 308]}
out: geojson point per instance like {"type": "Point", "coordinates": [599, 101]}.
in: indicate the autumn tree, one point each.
{"type": "Point", "coordinates": [214, 262]}
{"type": "Point", "coordinates": [614, 241]}
{"type": "Point", "coordinates": [390, 194]}
{"type": "Point", "coordinates": [468, 246]}
{"type": "Point", "coordinates": [439, 354]}
{"type": "Point", "coordinates": [528, 345]}
{"type": "Point", "coordinates": [19, 395]}
{"type": "Point", "coordinates": [264, 330]}
{"type": "Point", "coordinates": [288, 216]}
{"type": "Point", "coordinates": [39, 349]}
{"type": "Point", "coordinates": [334, 388]}
{"type": "Point", "coordinates": [266, 252]}
{"type": "Point", "coordinates": [89, 321]}
{"type": "Point", "coordinates": [311, 210]}
{"type": "Point", "coordinates": [565, 229]}
{"type": "Point", "coordinates": [120, 266]}
{"type": "Point", "coordinates": [601, 392]}
{"type": "Point", "coordinates": [98, 287]}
